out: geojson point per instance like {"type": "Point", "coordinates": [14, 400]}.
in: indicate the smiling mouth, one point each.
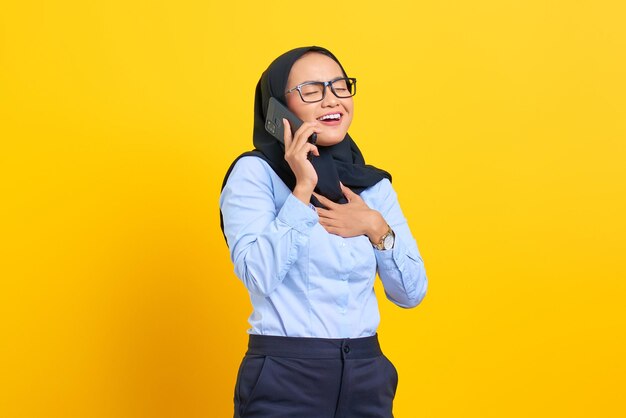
{"type": "Point", "coordinates": [331, 117]}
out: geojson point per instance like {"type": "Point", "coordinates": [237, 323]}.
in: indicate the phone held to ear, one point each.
{"type": "Point", "coordinates": [276, 111]}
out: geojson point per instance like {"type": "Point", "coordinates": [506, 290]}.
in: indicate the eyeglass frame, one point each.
{"type": "Point", "coordinates": [326, 84]}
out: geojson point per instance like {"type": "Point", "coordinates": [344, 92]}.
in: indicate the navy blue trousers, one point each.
{"type": "Point", "coordinates": [314, 378]}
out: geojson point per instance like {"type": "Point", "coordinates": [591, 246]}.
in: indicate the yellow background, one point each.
{"type": "Point", "coordinates": [503, 123]}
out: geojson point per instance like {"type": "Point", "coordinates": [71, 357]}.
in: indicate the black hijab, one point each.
{"type": "Point", "coordinates": [340, 162]}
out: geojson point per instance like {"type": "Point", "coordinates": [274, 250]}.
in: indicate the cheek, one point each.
{"type": "Point", "coordinates": [291, 104]}
{"type": "Point", "coordinates": [296, 106]}
{"type": "Point", "coordinates": [305, 114]}
{"type": "Point", "coordinates": [350, 107]}
{"type": "Point", "coordinates": [350, 115]}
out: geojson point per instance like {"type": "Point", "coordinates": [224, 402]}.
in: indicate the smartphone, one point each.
{"type": "Point", "coordinates": [276, 111]}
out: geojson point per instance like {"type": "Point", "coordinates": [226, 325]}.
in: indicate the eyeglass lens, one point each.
{"type": "Point", "coordinates": [313, 92]}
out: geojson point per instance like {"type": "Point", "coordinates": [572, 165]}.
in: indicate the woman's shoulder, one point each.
{"type": "Point", "coordinates": [383, 186]}
{"type": "Point", "coordinates": [379, 195]}
{"type": "Point", "coordinates": [251, 162]}
{"type": "Point", "coordinates": [250, 167]}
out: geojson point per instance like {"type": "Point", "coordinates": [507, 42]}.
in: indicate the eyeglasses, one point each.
{"type": "Point", "coordinates": [315, 91]}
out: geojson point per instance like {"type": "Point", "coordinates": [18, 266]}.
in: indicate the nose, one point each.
{"type": "Point", "coordinates": [329, 100]}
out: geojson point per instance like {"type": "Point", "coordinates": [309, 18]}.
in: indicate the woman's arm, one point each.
{"type": "Point", "coordinates": [401, 269]}
{"type": "Point", "coordinates": [264, 241]}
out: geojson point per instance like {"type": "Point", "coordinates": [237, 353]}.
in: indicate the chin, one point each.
{"type": "Point", "coordinates": [326, 141]}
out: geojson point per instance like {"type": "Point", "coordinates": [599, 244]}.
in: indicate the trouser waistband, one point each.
{"type": "Point", "coordinates": [314, 348]}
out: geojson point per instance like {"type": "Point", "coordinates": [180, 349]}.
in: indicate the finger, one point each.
{"type": "Point", "coordinates": [325, 201]}
{"type": "Point", "coordinates": [347, 192]}
{"type": "Point", "coordinates": [306, 130]}
{"type": "Point", "coordinates": [287, 136]}
{"type": "Point", "coordinates": [327, 223]}
{"type": "Point", "coordinates": [302, 135]}
{"type": "Point", "coordinates": [330, 223]}
{"type": "Point", "coordinates": [324, 213]}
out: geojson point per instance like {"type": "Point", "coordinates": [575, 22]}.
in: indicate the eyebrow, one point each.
{"type": "Point", "coordinates": [319, 81]}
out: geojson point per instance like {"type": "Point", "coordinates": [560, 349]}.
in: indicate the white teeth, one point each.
{"type": "Point", "coordinates": [331, 116]}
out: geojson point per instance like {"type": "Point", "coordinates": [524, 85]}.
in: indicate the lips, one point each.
{"type": "Point", "coordinates": [330, 118]}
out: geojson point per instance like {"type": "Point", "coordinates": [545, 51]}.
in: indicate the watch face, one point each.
{"type": "Point", "coordinates": [388, 243]}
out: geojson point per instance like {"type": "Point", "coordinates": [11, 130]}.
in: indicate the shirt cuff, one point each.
{"type": "Point", "coordinates": [391, 259]}
{"type": "Point", "coordinates": [297, 215]}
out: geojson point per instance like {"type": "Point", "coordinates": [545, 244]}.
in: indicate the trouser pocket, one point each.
{"type": "Point", "coordinates": [248, 379]}
{"type": "Point", "coordinates": [393, 373]}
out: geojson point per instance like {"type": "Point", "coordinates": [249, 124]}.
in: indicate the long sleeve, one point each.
{"type": "Point", "coordinates": [302, 280]}
{"type": "Point", "coordinates": [264, 235]}
{"type": "Point", "coordinates": [401, 269]}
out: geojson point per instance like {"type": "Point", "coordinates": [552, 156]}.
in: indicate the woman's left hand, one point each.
{"type": "Point", "coordinates": [351, 219]}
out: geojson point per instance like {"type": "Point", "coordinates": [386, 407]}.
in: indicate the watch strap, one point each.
{"type": "Point", "coordinates": [381, 244]}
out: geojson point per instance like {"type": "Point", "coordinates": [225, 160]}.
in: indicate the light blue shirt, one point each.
{"type": "Point", "coordinates": [303, 281]}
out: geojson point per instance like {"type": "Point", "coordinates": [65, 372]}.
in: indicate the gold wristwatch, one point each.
{"type": "Point", "coordinates": [386, 241]}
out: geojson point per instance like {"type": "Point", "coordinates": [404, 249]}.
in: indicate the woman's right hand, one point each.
{"type": "Point", "coordinates": [297, 149]}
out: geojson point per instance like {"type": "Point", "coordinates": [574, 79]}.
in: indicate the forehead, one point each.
{"type": "Point", "coordinates": [314, 66]}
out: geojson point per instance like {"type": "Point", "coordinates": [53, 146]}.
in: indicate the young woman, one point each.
{"type": "Point", "coordinates": [308, 227]}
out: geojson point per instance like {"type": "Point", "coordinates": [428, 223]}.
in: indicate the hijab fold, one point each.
{"type": "Point", "coordinates": [342, 162]}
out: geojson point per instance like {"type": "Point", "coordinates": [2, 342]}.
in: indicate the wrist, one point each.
{"type": "Point", "coordinates": [387, 241]}
{"type": "Point", "coordinates": [303, 193]}
{"type": "Point", "coordinates": [378, 228]}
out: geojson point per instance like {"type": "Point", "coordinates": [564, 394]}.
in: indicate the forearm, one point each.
{"type": "Point", "coordinates": [262, 260]}
{"type": "Point", "coordinates": [265, 230]}
{"type": "Point", "coordinates": [401, 268]}
{"type": "Point", "coordinates": [402, 271]}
